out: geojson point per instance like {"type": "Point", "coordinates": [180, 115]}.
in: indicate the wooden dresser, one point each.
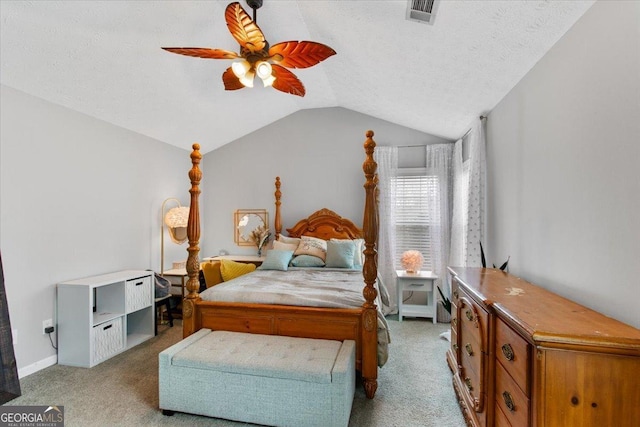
{"type": "Point", "coordinates": [524, 356]}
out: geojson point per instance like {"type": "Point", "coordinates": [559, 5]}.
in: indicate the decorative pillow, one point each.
{"type": "Point", "coordinates": [276, 260]}
{"type": "Point", "coordinates": [340, 253]}
{"type": "Point", "coordinates": [232, 269]}
{"type": "Point", "coordinates": [307, 261]}
{"type": "Point", "coordinates": [212, 273]}
{"type": "Point", "coordinates": [358, 255]}
{"type": "Point", "coordinates": [291, 240]}
{"type": "Point", "coordinates": [312, 246]}
{"type": "Point", "coordinates": [282, 246]}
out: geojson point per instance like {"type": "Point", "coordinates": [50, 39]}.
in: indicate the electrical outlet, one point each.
{"type": "Point", "coordinates": [45, 324]}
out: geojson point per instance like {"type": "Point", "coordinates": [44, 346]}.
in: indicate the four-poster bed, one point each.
{"type": "Point", "coordinates": [359, 323]}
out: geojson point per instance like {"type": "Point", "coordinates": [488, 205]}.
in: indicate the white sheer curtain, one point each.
{"type": "Point", "coordinates": [458, 224]}
{"type": "Point", "coordinates": [439, 164]}
{"type": "Point", "coordinates": [477, 206]}
{"type": "Point", "coordinates": [387, 159]}
{"type": "Point", "coordinates": [469, 199]}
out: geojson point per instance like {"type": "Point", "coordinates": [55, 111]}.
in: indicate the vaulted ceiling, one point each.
{"type": "Point", "coordinates": [103, 59]}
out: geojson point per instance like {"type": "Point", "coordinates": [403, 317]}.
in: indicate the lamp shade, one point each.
{"type": "Point", "coordinates": [177, 217]}
{"type": "Point", "coordinates": [412, 261]}
{"type": "Point", "coordinates": [240, 68]}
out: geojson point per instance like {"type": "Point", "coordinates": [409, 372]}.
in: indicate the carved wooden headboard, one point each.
{"type": "Point", "coordinates": [325, 224]}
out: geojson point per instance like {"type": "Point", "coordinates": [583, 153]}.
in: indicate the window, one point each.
{"type": "Point", "coordinates": [416, 213]}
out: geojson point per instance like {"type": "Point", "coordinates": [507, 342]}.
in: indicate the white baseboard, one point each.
{"type": "Point", "coordinates": [39, 365]}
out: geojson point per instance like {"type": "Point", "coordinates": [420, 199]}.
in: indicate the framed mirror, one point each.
{"type": "Point", "coordinates": [247, 220]}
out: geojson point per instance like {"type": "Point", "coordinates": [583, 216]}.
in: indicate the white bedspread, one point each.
{"type": "Point", "coordinates": [322, 287]}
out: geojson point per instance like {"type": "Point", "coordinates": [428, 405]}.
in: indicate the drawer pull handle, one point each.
{"type": "Point", "coordinates": [508, 352]}
{"type": "Point", "coordinates": [469, 349]}
{"type": "Point", "coordinates": [139, 283]}
{"type": "Point", "coordinates": [107, 327]}
{"type": "Point", "coordinates": [455, 294]}
{"type": "Point", "coordinates": [454, 322]}
{"type": "Point", "coordinates": [467, 382]}
{"type": "Point", "coordinates": [508, 400]}
{"type": "Point", "coordinates": [455, 347]}
{"type": "Point", "coordinates": [469, 314]}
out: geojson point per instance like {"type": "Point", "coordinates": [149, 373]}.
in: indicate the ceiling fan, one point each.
{"type": "Point", "coordinates": [257, 58]}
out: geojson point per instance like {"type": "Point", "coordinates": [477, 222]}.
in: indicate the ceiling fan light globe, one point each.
{"type": "Point", "coordinates": [240, 68]}
{"type": "Point", "coordinates": [268, 81]}
{"type": "Point", "coordinates": [247, 79]}
{"type": "Point", "coordinates": [263, 69]}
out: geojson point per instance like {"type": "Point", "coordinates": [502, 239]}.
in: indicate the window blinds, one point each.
{"type": "Point", "coordinates": [415, 219]}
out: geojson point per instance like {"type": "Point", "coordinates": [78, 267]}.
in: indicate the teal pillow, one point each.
{"type": "Point", "coordinates": [307, 261]}
{"type": "Point", "coordinates": [358, 254]}
{"type": "Point", "coordinates": [276, 260]}
{"type": "Point", "coordinates": [340, 253]}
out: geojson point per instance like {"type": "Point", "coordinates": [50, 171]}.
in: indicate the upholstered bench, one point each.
{"type": "Point", "coordinates": [262, 379]}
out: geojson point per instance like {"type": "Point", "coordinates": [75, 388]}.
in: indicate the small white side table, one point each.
{"type": "Point", "coordinates": [422, 281]}
{"type": "Point", "coordinates": [174, 275]}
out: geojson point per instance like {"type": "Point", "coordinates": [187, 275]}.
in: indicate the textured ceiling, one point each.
{"type": "Point", "coordinates": [104, 59]}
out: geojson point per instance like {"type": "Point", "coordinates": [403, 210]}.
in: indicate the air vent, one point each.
{"type": "Point", "coordinates": [422, 10]}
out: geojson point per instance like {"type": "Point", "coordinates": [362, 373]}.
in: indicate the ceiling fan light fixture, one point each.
{"type": "Point", "coordinates": [268, 81]}
{"type": "Point", "coordinates": [240, 68]}
{"type": "Point", "coordinates": [247, 79]}
{"type": "Point", "coordinates": [265, 72]}
{"type": "Point", "coordinates": [263, 69]}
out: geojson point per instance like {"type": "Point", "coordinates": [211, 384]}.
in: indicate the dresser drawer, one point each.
{"type": "Point", "coordinates": [138, 293]}
{"type": "Point", "coordinates": [501, 419]}
{"type": "Point", "coordinates": [417, 284]}
{"type": "Point", "coordinates": [513, 353]}
{"type": "Point", "coordinates": [473, 320]}
{"type": "Point", "coordinates": [470, 351]}
{"type": "Point", "coordinates": [510, 399]}
{"type": "Point", "coordinates": [454, 327]}
{"type": "Point", "coordinates": [473, 388]}
{"type": "Point", "coordinates": [455, 345]}
{"type": "Point", "coordinates": [455, 294]}
{"type": "Point", "coordinates": [454, 315]}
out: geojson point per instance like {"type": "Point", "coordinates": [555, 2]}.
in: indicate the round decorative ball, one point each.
{"type": "Point", "coordinates": [412, 261]}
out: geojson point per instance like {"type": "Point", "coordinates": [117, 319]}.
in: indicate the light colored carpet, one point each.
{"type": "Point", "coordinates": [414, 387]}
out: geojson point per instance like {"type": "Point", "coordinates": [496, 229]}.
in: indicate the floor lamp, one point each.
{"type": "Point", "coordinates": [176, 221]}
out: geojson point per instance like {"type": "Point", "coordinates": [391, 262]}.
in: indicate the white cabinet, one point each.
{"type": "Point", "coordinates": [423, 281]}
{"type": "Point", "coordinates": [101, 316]}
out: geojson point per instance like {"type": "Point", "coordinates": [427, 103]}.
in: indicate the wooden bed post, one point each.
{"type": "Point", "coordinates": [189, 325]}
{"type": "Point", "coordinates": [277, 223]}
{"type": "Point", "coordinates": [370, 271]}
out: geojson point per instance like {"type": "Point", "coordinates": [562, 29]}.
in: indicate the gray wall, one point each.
{"type": "Point", "coordinates": [78, 197]}
{"type": "Point", "coordinates": [563, 154]}
{"type": "Point", "coordinates": [317, 153]}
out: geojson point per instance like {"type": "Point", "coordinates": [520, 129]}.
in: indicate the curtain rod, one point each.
{"type": "Point", "coordinates": [467, 132]}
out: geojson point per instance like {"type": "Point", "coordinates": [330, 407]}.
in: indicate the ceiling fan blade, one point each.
{"type": "Point", "coordinates": [203, 52]}
{"type": "Point", "coordinates": [286, 81]}
{"type": "Point", "coordinates": [243, 29]}
{"type": "Point", "coordinates": [231, 82]}
{"type": "Point", "coordinates": [301, 54]}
